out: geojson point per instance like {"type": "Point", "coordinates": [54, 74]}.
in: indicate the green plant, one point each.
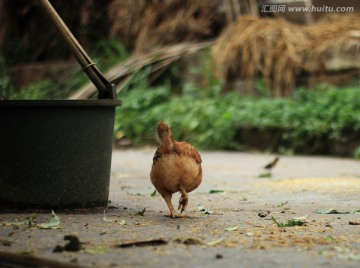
{"type": "Point", "coordinates": [41, 90]}
{"type": "Point", "coordinates": [207, 84]}
{"type": "Point", "coordinates": [357, 153]}
{"type": "Point", "coordinates": [106, 54]}
{"type": "Point", "coordinates": [213, 121]}
{"type": "Point", "coordinates": [109, 52]}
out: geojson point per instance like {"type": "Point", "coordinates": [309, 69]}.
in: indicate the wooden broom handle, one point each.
{"type": "Point", "coordinates": [105, 89]}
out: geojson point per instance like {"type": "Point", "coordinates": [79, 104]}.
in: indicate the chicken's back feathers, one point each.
{"type": "Point", "coordinates": [186, 149]}
{"type": "Point", "coordinates": [180, 148]}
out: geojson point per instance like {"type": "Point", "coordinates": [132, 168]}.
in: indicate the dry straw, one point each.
{"type": "Point", "coordinates": [147, 24]}
{"type": "Point", "coordinates": [280, 51]}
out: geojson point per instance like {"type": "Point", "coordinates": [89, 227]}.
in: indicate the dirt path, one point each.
{"type": "Point", "coordinates": [239, 231]}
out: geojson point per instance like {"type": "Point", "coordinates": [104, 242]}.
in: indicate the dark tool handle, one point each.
{"type": "Point", "coordinates": [105, 89]}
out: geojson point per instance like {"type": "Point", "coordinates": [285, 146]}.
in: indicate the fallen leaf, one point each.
{"type": "Point", "coordinates": [214, 242]}
{"type": "Point", "coordinates": [153, 193]}
{"type": "Point", "coordinates": [17, 223]}
{"type": "Point", "coordinates": [346, 253]}
{"type": "Point", "coordinates": [93, 250]}
{"type": "Point", "coordinates": [135, 194]}
{"type": "Point", "coordinates": [265, 175]}
{"type": "Point", "coordinates": [231, 229]}
{"type": "Point", "coordinates": [216, 191]}
{"type": "Point", "coordinates": [331, 211]}
{"type": "Point", "coordinates": [353, 257]}
{"type": "Point", "coordinates": [122, 222]}
{"type": "Point", "coordinates": [282, 204]}
{"type": "Point", "coordinates": [289, 223]}
{"type": "Point", "coordinates": [53, 223]}
{"type": "Point", "coordinates": [25, 251]}
{"type": "Point", "coordinates": [329, 238]}
{"type": "Point", "coordinates": [120, 175]}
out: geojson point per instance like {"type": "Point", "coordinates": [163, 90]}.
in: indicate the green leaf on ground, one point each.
{"type": "Point", "coordinates": [94, 250]}
{"type": "Point", "coordinates": [347, 253]}
{"type": "Point", "coordinates": [289, 223]}
{"type": "Point", "coordinates": [25, 251]}
{"type": "Point", "coordinates": [135, 194]}
{"type": "Point", "coordinates": [231, 229]}
{"type": "Point", "coordinates": [153, 193]}
{"type": "Point", "coordinates": [216, 191]}
{"type": "Point", "coordinates": [282, 204]}
{"type": "Point", "coordinates": [29, 221]}
{"type": "Point", "coordinates": [122, 222]}
{"type": "Point", "coordinates": [329, 238]}
{"type": "Point", "coordinates": [53, 223]}
{"type": "Point", "coordinates": [265, 175]}
{"type": "Point", "coordinates": [214, 242]}
{"type": "Point", "coordinates": [331, 211]}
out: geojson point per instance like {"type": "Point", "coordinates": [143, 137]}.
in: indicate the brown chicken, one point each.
{"type": "Point", "coordinates": [176, 167]}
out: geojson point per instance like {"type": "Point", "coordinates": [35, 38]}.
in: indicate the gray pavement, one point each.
{"type": "Point", "coordinates": [299, 186]}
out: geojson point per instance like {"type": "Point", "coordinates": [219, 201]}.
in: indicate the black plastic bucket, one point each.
{"type": "Point", "coordinates": [55, 154]}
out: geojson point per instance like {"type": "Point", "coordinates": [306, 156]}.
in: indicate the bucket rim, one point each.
{"type": "Point", "coordinates": [59, 103]}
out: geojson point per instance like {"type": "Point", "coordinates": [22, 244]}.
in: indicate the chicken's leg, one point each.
{"type": "Point", "coordinates": [173, 213]}
{"type": "Point", "coordinates": [183, 202]}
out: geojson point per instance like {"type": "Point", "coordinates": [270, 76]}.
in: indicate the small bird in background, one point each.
{"type": "Point", "coordinates": [272, 164]}
{"type": "Point", "coordinates": [176, 168]}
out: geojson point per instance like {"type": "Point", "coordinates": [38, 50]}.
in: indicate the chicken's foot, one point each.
{"type": "Point", "coordinates": [173, 213]}
{"type": "Point", "coordinates": [183, 202]}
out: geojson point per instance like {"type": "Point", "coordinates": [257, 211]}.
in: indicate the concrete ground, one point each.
{"type": "Point", "coordinates": [238, 232]}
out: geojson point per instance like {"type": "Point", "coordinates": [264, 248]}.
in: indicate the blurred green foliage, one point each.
{"type": "Point", "coordinates": [357, 153]}
{"type": "Point", "coordinates": [209, 119]}
{"type": "Point", "coordinates": [212, 121]}
{"type": "Point", "coordinates": [106, 54]}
